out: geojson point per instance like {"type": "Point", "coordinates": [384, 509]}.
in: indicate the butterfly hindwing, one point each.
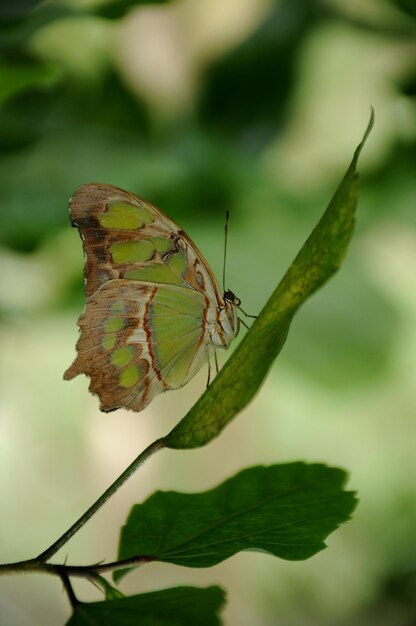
{"type": "Point", "coordinates": [129, 346]}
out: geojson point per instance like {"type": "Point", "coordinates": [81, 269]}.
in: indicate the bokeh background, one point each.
{"type": "Point", "coordinates": [201, 106]}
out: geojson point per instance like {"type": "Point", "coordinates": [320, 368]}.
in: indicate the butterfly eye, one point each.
{"type": "Point", "coordinates": [229, 296]}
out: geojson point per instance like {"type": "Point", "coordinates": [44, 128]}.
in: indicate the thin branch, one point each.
{"type": "Point", "coordinates": [138, 461]}
{"type": "Point", "coordinates": [21, 567]}
{"type": "Point", "coordinates": [81, 571]}
{"type": "Point", "coordinates": [67, 586]}
{"type": "Point", "coordinates": [86, 571]}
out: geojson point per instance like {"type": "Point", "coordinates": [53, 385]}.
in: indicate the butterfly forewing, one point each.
{"type": "Point", "coordinates": [149, 295]}
{"type": "Point", "coordinates": [126, 237]}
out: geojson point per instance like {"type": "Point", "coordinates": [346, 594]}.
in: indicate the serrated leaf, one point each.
{"type": "Point", "coordinates": [286, 510]}
{"type": "Point", "coordinates": [179, 606]}
{"type": "Point", "coordinates": [319, 258]}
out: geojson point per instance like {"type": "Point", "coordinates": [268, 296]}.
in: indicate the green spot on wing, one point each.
{"type": "Point", "coordinates": [122, 356]}
{"type": "Point", "coordinates": [109, 341]}
{"type": "Point", "coordinates": [129, 377]}
{"type": "Point", "coordinates": [113, 324]}
{"type": "Point", "coordinates": [123, 215]}
{"type": "Point", "coordinates": [118, 307]}
{"type": "Point", "coordinates": [131, 251]}
{"type": "Point", "coordinates": [177, 263]}
{"type": "Point", "coordinates": [162, 244]}
{"type": "Point", "coordinates": [169, 273]}
{"type": "Point", "coordinates": [155, 274]}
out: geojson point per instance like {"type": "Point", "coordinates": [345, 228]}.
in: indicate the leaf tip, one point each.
{"type": "Point", "coordinates": [366, 133]}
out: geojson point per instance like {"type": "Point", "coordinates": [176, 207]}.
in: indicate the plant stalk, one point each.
{"type": "Point", "coordinates": [138, 461]}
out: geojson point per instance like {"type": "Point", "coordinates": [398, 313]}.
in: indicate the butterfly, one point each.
{"type": "Point", "coordinates": [153, 306]}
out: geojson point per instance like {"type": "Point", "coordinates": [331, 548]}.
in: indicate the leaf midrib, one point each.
{"type": "Point", "coordinates": [226, 519]}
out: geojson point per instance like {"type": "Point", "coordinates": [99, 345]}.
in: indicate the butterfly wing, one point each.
{"type": "Point", "coordinates": [126, 237]}
{"type": "Point", "coordinates": [149, 293]}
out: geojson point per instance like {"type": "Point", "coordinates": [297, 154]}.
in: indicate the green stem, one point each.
{"type": "Point", "coordinates": [81, 571]}
{"type": "Point", "coordinates": [143, 456]}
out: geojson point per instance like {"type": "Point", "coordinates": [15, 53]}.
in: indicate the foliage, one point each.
{"type": "Point", "coordinates": [284, 510]}
{"type": "Point", "coordinates": [171, 607]}
{"type": "Point", "coordinates": [318, 259]}
{"type": "Point", "coordinates": [59, 128]}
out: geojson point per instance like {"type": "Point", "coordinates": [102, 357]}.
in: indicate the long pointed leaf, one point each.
{"type": "Point", "coordinates": [319, 258]}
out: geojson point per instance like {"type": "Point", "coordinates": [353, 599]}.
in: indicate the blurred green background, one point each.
{"type": "Point", "coordinates": [200, 106]}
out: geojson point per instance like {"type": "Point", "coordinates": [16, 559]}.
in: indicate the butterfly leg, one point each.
{"type": "Point", "coordinates": [216, 361]}
{"type": "Point", "coordinates": [217, 368]}
{"type": "Point", "coordinates": [254, 317]}
{"type": "Point", "coordinates": [209, 367]}
{"type": "Point", "coordinates": [240, 319]}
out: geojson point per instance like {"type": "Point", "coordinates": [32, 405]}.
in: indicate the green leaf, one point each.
{"type": "Point", "coordinates": [18, 9]}
{"type": "Point", "coordinates": [286, 510]}
{"type": "Point", "coordinates": [18, 77]}
{"type": "Point", "coordinates": [319, 258]}
{"type": "Point", "coordinates": [23, 23]}
{"type": "Point", "coordinates": [118, 8]}
{"type": "Point", "coordinates": [179, 606]}
{"type": "Point", "coordinates": [15, 33]}
{"type": "Point", "coordinates": [111, 593]}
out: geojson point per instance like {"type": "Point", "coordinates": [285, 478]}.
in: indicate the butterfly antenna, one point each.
{"type": "Point", "coordinates": [227, 217]}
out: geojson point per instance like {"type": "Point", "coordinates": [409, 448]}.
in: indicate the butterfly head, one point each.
{"type": "Point", "coordinates": [228, 318]}
{"type": "Point", "coordinates": [229, 296]}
